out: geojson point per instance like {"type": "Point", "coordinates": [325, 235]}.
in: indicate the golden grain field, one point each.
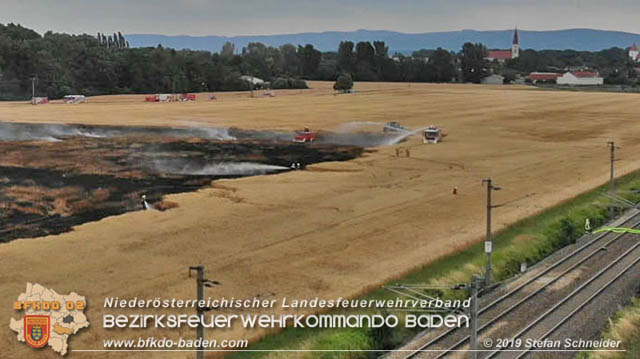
{"type": "Point", "coordinates": [336, 229]}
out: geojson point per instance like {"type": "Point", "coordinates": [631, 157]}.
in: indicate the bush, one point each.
{"type": "Point", "coordinates": [344, 83]}
{"type": "Point", "coordinates": [235, 84]}
{"type": "Point", "coordinates": [279, 83]}
{"type": "Point", "coordinates": [299, 84]}
{"type": "Point", "coordinates": [283, 83]}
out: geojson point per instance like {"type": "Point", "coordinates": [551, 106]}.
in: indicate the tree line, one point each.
{"type": "Point", "coordinates": [63, 64]}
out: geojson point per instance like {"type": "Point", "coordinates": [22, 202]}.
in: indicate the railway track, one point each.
{"type": "Point", "coordinates": [445, 344]}
{"type": "Point", "coordinates": [570, 305]}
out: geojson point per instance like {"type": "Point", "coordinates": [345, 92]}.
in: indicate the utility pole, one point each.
{"type": "Point", "coordinates": [201, 282]}
{"type": "Point", "coordinates": [33, 90]}
{"type": "Point", "coordinates": [200, 310]}
{"type": "Point", "coordinates": [612, 183]}
{"type": "Point", "coordinates": [476, 284]}
{"type": "Point", "coordinates": [488, 244]}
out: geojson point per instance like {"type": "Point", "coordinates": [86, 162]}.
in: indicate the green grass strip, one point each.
{"type": "Point", "coordinates": [617, 230]}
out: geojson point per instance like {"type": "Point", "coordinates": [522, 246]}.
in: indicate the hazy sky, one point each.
{"type": "Point", "coordinates": [251, 17]}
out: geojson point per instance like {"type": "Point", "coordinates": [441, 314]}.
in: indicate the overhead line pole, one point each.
{"type": "Point", "coordinates": [488, 244]}
{"type": "Point", "coordinates": [201, 282]}
{"type": "Point", "coordinates": [612, 183]}
{"type": "Point", "coordinates": [200, 310]}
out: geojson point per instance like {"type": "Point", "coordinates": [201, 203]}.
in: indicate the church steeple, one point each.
{"type": "Point", "coordinates": [634, 53]}
{"type": "Point", "coordinates": [515, 47]}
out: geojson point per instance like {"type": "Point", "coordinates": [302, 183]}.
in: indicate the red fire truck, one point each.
{"type": "Point", "coordinates": [305, 135]}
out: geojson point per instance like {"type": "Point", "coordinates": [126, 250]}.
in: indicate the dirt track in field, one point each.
{"type": "Point", "coordinates": [338, 228]}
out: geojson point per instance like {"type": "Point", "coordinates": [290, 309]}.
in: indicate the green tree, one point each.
{"type": "Point", "coordinates": [381, 57]}
{"type": "Point", "coordinates": [443, 65]}
{"type": "Point", "coordinates": [345, 56]}
{"type": "Point", "coordinates": [291, 62]}
{"type": "Point", "coordinates": [310, 58]}
{"type": "Point", "coordinates": [381, 49]}
{"type": "Point", "coordinates": [365, 53]}
{"type": "Point", "coordinates": [228, 49]}
{"type": "Point", "coordinates": [365, 62]}
{"type": "Point", "coordinates": [473, 62]}
{"type": "Point", "coordinates": [343, 83]}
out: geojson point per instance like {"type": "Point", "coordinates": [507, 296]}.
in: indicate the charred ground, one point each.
{"type": "Point", "coordinates": [53, 177]}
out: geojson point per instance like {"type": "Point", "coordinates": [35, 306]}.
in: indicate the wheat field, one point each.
{"type": "Point", "coordinates": [336, 229]}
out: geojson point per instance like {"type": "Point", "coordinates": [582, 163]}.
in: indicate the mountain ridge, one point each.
{"type": "Point", "coordinates": [580, 39]}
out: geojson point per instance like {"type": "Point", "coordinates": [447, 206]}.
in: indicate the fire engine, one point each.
{"type": "Point", "coordinates": [305, 135]}
{"type": "Point", "coordinates": [394, 126]}
{"type": "Point", "coordinates": [432, 134]}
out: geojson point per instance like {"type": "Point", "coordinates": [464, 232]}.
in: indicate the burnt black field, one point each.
{"type": "Point", "coordinates": [53, 177]}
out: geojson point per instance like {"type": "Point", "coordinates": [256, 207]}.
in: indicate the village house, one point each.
{"type": "Point", "coordinates": [545, 77]}
{"type": "Point", "coordinates": [580, 78]}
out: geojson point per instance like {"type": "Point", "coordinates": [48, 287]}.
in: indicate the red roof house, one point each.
{"type": "Point", "coordinates": [499, 55]}
{"type": "Point", "coordinates": [543, 76]}
{"type": "Point", "coordinates": [585, 74]}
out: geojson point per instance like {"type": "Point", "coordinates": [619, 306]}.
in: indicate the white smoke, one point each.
{"type": "Point", "coordinates": [402, 136]}
{"type": "Point", "coordinates": [346, 134]}
{"type": "Point", "coordinates": [212, 133]}
{"type": "Point", "coordinates": [209, 133]}
{"type": "Point", "coordinates": [88, 134]}
{"type": "Point", "coordinates": [239, 168]}
{"type": "Point", "coordinates": [48, 139]}
{"type": "Point", "coordinates": [56, 132]}
{"type": "Point", "coordinates": [356, 125]}
{"type": "Point", "coordinates": [216, 169]}
{"type": "Point", "coordinates": [70, 131]}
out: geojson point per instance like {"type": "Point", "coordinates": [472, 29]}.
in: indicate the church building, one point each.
{"type": "Point", "coordinates": [503, 55]}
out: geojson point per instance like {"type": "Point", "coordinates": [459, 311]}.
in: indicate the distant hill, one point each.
{"type": "Point", "coordinates": [577, 39]}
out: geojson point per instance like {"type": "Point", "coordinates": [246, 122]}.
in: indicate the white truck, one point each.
{"type": "Point", "coordinates": [432, 134]}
